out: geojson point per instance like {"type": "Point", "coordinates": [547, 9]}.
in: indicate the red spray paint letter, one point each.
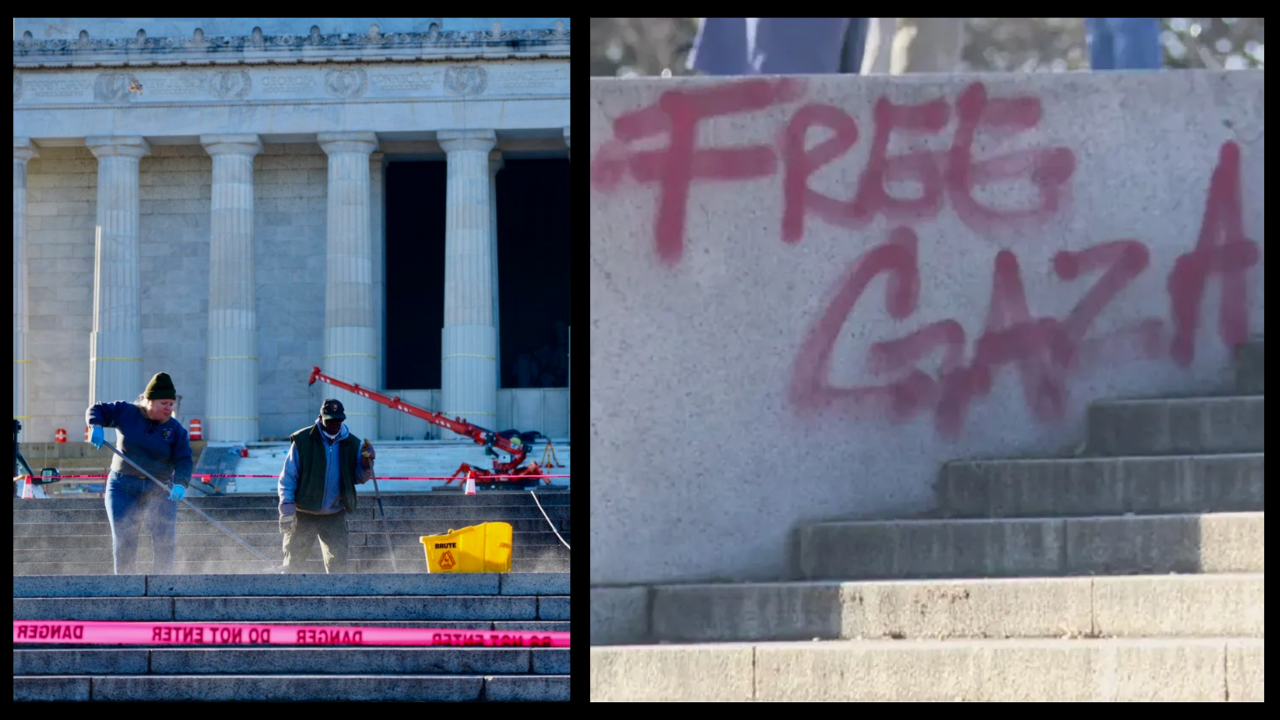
{"type": "Point", "coordinates": [1221, 250]}
{"type": "Point", "coordinates": [1050, 170]}
{"type": "Point", "coordinates": [897, 258]}
{"type": "Point", "coordinates": [872, 198]}
{"type": "Point", "coordinates": [674, 168]}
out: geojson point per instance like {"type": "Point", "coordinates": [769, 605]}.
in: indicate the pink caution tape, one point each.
{"type": "Point", "coordinates": [78, 632]}
{"type": "Point", "coordinates": [20, 478]}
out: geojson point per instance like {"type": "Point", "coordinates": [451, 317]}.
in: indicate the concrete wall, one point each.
{"type": "Point", "coordinates": [781, 333]}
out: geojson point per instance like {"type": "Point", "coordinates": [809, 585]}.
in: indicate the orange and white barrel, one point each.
{"type": "Point", "coordinates": [195, 429]}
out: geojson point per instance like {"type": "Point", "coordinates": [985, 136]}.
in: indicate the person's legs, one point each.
{"type": "Point", "coordinates": [875, 58]}
{"type": "Point", "coordinates": [720, 47]}
{"type": "Point", "coordinates": [800, 45]}
{"type": "Point", "coordinates": [299, 543]}
{"type": "Point", "coordinates": [122, 515]}
{"type": "Point", "coordinates": [1097, 35]}
{"type": "Point", "coordinates": [927, 45]}
{"type": "Point", "coordinates": [1136, 43]}
{"type": "Point", "coordinates": [855, 45]}
{"type": "Point", "coordinates": [333, 542]}
{"type": "Point", "coordinates": [161, 515]}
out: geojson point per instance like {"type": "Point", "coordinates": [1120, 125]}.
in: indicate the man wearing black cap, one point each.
{"type": "Point", "coordinates": [317, 488]}
{"type": "Point", "coordinates": [148, 433]}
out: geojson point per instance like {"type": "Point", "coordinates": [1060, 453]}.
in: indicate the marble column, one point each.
{"type": "Point", "coordinates": [23, 151]}
{"type": "Point", "coordinates": [569, 356]}
{"type": "Point", "coordinates": [569, 390]}
{"type": "Point", "coordinates": [495, 164]}
{"type": "Point", "coordinates": [468, 357]}
{"type": "Point", "coordinates": [115, 354]}
{"type": "Point", "coordinates": [350, 340]}
{"type": "Point", "coordinates": [377, 232]}
{"type": "Point", "coordinates": [231, 374]}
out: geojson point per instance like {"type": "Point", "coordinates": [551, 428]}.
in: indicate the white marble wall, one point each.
{"type": "Point", "coordinates": [289, 246]}
{"type": "Point", "coordinates": [174, 229]}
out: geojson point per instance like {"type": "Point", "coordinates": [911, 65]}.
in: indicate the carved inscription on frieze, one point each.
{"type": "Point", "coordinates": [465, 80]}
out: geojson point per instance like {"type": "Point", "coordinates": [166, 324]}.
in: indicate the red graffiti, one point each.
{"type": "Point", "coordinates": [674, 168]}
{"type": "Point", "coordinates": [1222, 250]}
{"type": "Point", "coordinates": [1043, 350]}
{"type": "Point", "coordinates": [953, 173]}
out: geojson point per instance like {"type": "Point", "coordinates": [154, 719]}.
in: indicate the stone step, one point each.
{"type": "Point", "coordinates": [546, 564]}
{"type": "Point", "coordinates": [1101, 486]}
{"type": "Point", "coordinates": [329, 585]}
{"type": "Point", "coordinates": [1248, 362]}
{"type": "Point", "coordinates": [434, 526]}
{"type": "Point", "coordinates": [907, 549]}
{"type": "Point", "coordinates": [402, 541]}
{"type": "Point", "coordinates": [300, 609]}
{"type": "Point", "coordinates": [1175, 426]}
{"type": "Point", "coordinates": [293, 688]}
{"type": "Point", "coordinates": [286, 659]}
{"type": "Point", "coordinates": [251, 566]}
{"type": "Point", "coordinates": [1180, 669]}
{"type": "Point", "coordinates": [468, 515]}
{"type": "Point", "coordinates": [546, 497]}
{"type": "Point", "coordinates": [75, 448]}
{"type": "Point", "coordinates": [1133, 606]}
{"type": "Point", "coordinates": [519, 553]}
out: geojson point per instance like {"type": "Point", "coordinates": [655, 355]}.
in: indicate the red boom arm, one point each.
{"type": "Point", "coordinates": [488, 438]}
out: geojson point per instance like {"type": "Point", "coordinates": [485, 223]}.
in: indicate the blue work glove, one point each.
{"type": "Point", "coordinates": [96, 438]}
{"type": "Point", "coordinates": [367, 455]}
{"type": "Point", "coordinates": [177, 493]}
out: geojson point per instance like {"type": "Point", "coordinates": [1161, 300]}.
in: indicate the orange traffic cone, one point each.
{"type": "Point", "coordinates": [471, 482]}
{"type": "Point", "coordinates": [27, 492]}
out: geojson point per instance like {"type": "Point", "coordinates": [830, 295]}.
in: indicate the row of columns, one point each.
{"type": "Point", "coordinates": [469, 361]}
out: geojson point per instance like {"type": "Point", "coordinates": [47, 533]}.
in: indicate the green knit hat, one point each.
{"type": "Point", "coordinates": [161, 388]}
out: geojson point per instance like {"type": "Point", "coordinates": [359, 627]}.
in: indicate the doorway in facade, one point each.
{"type": "Point", "coordinates": [533, 273]}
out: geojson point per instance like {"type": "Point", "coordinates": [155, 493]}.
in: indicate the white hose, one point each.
{"type": "Point", "coordinates": [544, 514]}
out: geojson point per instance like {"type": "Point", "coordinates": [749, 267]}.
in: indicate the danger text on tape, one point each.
{"type": "Point", "coordinates": [143, 633]}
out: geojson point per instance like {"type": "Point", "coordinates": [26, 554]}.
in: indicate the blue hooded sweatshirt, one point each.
{"type": "Point", "coordinates": [161, 448]}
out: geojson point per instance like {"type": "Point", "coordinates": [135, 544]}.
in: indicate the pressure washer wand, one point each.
{"type": "Point", "coordinates": [377, 493]}
{"type": "Point", "coordinates": [216, 524]}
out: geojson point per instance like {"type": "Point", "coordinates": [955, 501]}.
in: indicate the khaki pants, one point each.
{"type": "Point", "coordinates": [332, 533]}
{"type": "Point", "coordinates": [908, 45]}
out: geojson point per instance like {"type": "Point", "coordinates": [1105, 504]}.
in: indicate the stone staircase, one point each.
{"type": "Point", "coordinates": [1133, 571]}
{"type": "Point", "coordinates": [515, 601]}
{"type": "Point", "coordinates": [71, 536]}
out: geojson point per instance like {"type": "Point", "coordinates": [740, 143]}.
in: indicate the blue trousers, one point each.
{"type": "Point", "coordinates": [779, 46]}
{"type": "Point", "coordinates": [131, 503]}
{"type": "Point", "coordinates": [1124, 43]}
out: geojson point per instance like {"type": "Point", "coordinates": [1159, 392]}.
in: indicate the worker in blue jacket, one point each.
{"type": "Point", "coordinates": [150, 436]}
{"type": "Point", "coordinates": [317, 488]}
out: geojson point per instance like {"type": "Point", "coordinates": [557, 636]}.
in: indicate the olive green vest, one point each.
{"type": "Point", "coordinates": [311, 469]}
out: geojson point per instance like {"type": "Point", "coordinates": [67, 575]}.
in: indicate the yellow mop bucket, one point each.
{"type": "Point", "coordinates": [480, 548]}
